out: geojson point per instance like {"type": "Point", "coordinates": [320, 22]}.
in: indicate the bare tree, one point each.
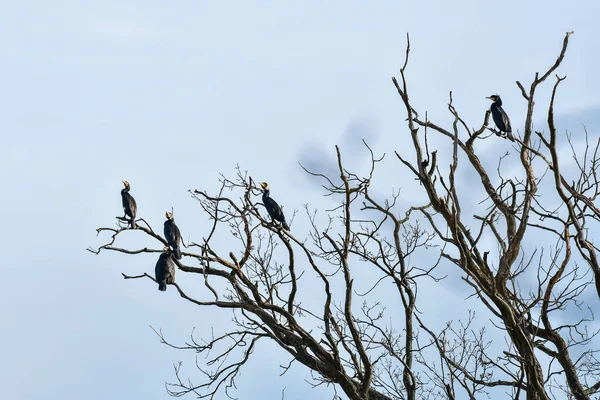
{"type": "Point", "coordinates": [518, 237]}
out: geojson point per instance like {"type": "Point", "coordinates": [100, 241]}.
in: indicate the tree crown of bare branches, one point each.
{"type": "Point", "coordinates": [367, 349]}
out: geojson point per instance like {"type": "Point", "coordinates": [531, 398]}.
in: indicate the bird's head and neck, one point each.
{"type": "Point", "coordinates": [265, 187]}
{"type": "Point", "coordinates": [126, 188]}
{"type": "Point", "coordinates": [496, 99]}
{"type": "Point", "coordinates": [169, 215]}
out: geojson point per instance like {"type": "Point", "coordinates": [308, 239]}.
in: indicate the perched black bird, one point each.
{"type": "Point", "coordinates": [129, 204]}
{"type": "Point", "coordinates": [164, 271]}
{"type": "Point", "coordinates": [500, 118]}
{"type": "Point", "coordinates": [272, 207]}
{"type": "Point", "coordinates": [172, 235]}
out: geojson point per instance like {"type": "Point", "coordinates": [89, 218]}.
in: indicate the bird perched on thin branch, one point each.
{"type": "Point", "coordinates": [272, 207]}
{"type": "Point", "coordinates": [500, 117]}
{"type": "Point", "coordinates": [164, 271]}
{"type": "Point", "coordinates": [129, 204]}
{"type": "Point", "coordinates": [172, 235]}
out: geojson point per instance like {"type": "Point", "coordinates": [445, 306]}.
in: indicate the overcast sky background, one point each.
{"type": "Point", "coordinates": [167, 95]}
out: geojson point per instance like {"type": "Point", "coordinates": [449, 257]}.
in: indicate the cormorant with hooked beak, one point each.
{"type": "Point", "coordinates": [500, 117]}
{"type": "Point", "coordinates": [129, 204]}
{"type": "Point", "coordinates": [172, 235]}
{"type": "Point", "coordinates": [272, 207]}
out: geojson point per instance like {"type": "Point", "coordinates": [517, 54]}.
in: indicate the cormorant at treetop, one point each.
{"type": "Point", "coordinates": [172, 235]}
{"type": "Point", "coordinates": [164, 271]}
{"type": "Point", "coordinates": [500, 118]}
{"type": "Point", "coordinates": [272, 207]}
{"type": "Point", "coordinates": [129, 204]}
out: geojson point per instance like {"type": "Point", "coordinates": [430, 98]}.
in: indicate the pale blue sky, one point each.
{"type": "Point", "coordinates": [169, 94]}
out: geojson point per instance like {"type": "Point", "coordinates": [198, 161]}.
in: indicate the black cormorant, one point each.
{"type": "Point", "coordinates": [272, 207]}
{"type": "Point", "coordinates": [172, 235]}
{"type": "Point", "coordinates": [164, 271]}
{"type": "Point", "coordinates": [500, 118]}
{"type": "Point", "coordinates": [129, 204]}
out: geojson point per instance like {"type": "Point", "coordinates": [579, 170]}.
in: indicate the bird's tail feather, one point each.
{"type": "Point", "coordinates": [133, 226]}
{"type": "Point", "coordinates": [285, 225]}
{"type": "Point", "coordinates": [162, 286]}
{"type": "Point", "coordinates": [177, 252]}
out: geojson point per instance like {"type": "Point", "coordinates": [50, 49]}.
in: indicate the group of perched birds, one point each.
{"type": "Point", "coordinates": [165, 266]}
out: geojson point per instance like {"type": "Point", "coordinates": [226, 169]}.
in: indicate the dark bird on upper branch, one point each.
{"type": "Point", "coordinates": [272, 207]}
{"type": "Point", "coordinates": [500, 118]}
{"type": "Point", "coordinates": [129, 204]}
{"type": "Point", "coordinates": [172, 235]}
{"type": "Point", "coordinates": [164, 271]}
